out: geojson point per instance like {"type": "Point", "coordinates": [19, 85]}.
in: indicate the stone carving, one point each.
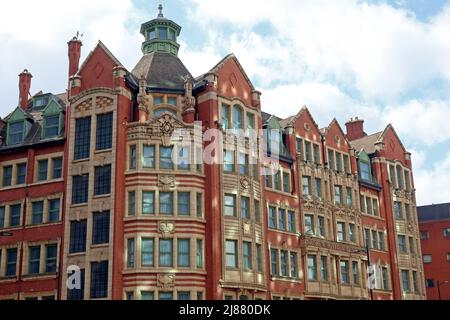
{"type": "Point", "coordinates": [145, 100]}
{"type": "Point", "coordinates": [167, 127]}
{"type": "Point", "coordinates": [247, 229]}
{"type": "Point", "coordinates": [85, 106]}
{"type": "Point", "coordinates": [166, 183]}
{"type": "Point", "coordinates": [166, 228]}
{"type": "Point", "coordinates": [331, 245]}
{"type": "Point", "coordinates": [103, 102]}
{"type": "Point", "coordinates": [307, 127]}
{"type": "Point", "coordinates": [166, 281]}
{"type": "Point", "coordinates": [245, 183]}
{"type": "Point", "coordinates": [189, 100]}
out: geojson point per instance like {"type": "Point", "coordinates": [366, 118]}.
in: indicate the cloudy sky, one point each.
{"type": "Point", "coordinates": [387, 61]}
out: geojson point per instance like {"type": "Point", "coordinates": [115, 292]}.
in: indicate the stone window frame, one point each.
{"type": "Point", "coordinates": [7, 206]}
{"type": "Point", "coordinates": [286, 209]}
{"type": "Point", "coordinates": [245, 109]}
{"type": "Point", "coordinates": [278, 275]}
{"type": "Point", "coordinates": [240, 255]}
{"type": "Point", "coordinates": [238, 207]}
{"type": "Point", "coordinates": [282, 171]}
{"type": "Point", "coordinates": [136, 291]}
{"type": "Point", "coordinates": [342, 155]}
{"type": "Point", "coordinates": [49, 157]}
{"type": "Point", "coordinates": [45, 215]}
{"type": "Point", "coordinates": [139, 198]}
{"type": "Point", "coordinates": [138, 267]}
{"type": "Point", "coordinates": [15, 164]}
{"type": "Point", "coordinates": [405, 170]}
{"type": "Point", "coordinates": [3, 248]}
{"type": "Point", "coordinates": [302, 153]}
{"type": "Point", "coordinates": [42, 259]}
{"type": "Point", "coordinates": [371, 229]}
{"type": "Point", "coordinates": [165, 103]}
{"type": "Point", "coordinates": [365, 196]}
{"type": "Point", "coordinates": [39, 295]}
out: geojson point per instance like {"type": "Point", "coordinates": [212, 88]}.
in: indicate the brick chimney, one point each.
{"type": "Point", "coordinates": [74, 55]}
{"type": "Point", "coordinates": [24, 88]}
{"type": "Point", "coordinates": [355, 129]}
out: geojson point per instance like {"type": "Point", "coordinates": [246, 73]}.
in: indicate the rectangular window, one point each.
{"type": "Point", "coordinates": [7, 176]}
{"type": "Point", "coordinates": [331, 160]}
{"type": "Point", "coordinates": [339, 166]}
{"type": "Point", "coordinates": [104, 131]}
{"type": "Point", "coordinates": [184, 253]}
{"type": "Point", "coordinates": [355, 271]}
{"type": "Point", "coordinates": [364, 171]}
{"type": "Point", "coordinates": [309, 225]}
{"type": "Point", "coordinates": [51, 126]}
{"type": "Point", "coordinates": [11, 262]}
{"type": "Point", "coordinates": [184, 158]}
{"type": "Point", "coordinates": [230, 205]}
{"type": "Point", "coordinates": [351, 232]}
{"type": "Point", "coordinates": [316, 152]}
{"type": "Point", "coordinates": [344, 272]}
{"type": "Point", "coordinates": [165, 296]}
{"type": "Point", "coordinates": [318, 188]}
{"type": "Point", "coordinates": [250, 121]}
{"type": "Point", "coordinates": [42, 170]}
{"type": "Point", "coordinates": [199, 159]}
{"type": "Point", "coordinates": [100, 228]}
{"type": "Point", "coordinates": [401, 244]}
{"type": "Point", "coordinates": [291, 221]}
{"type": "Point", "coordinates": [165, 158]}
{"type": "Point", "coordinates": [312, 268]}
{"type": "Point", "coordinates": [199, 254]}
{"type": "Point", "coordinates": [427, 258]}
{"type": "Point", "coordinates": [148, 157]}
{"type": "Point", "coordinates": [82, 138]}
{"type": "Point", "coordinates": [321, 226]}
{"type": "Point", "coordinates": [362, 200]}
{"type": "Point", "coordinates": [131, 203]}
{"type": "Point", "coordinates": [277, 181]}
{"type": "Point", "coordinates": [374, 240]}
{"type": "Point", "coordinates": [385, 275]}
{"type": "Point", "coordinates": [37, 212]}
{"type": "Point", "coordinates": [375, 208]}
{"type": "Point", "coordinates": [381, 241]}
{"type": "Point", "coordinates": [99, 280]}
{"type": "Point", "coordinates": [367, 238]}
{"type": "Point", "coordinates": [148, 202]}
{"type": "Point", "coordinates": [166, 253]}
{"type": "Point", "coordinates": [274, 262]}
{"type": "Point", "coordinates": [400, 177]}
{"type": "Point", "coordinates": [268, 181]}
{"type": "Point", "coordinates": [324, 268]}
{"type": "Point", "coordinates": [166, 203]}
{"type": "Point", "coordinates": [228, 161]}
{"type": "Point", "coordinates": [247, 255]}
{"type": "Point", "coordinates": [199, 205]}
{"type": "Point", "coordinates": [77, 236]}
{"type": "Point", "coordinates": [286, 182]}
{"type": "Point", "coordinates": [294, 265]}
{"type": "Point", "coordinates": [284, 262]}
{"type": "Point", "coordinates": [281, 219]}
{"type": "Point", "coordinates": [2, 217]}
{"type": "Point", "coordinates": [21, 173]}
{"type": "Point", "coordinates": [405, 281]}
{"type": "Point", "coordinates": [299, 145]}
{"type": "Point", "coordinates": [341, 231]}
{"type": "Point", "coordinates": [238, 122]}
{"type": "Point", "coordinates": [258, 258]}
{"type": "Point", "coordinates": [411, 246]}
{"type": "Point", "coordinates": [77, 294]}
{"type": "Point", "coordinates": [338, 195]}
{"type": "Point", "coordinates": [245, 208]}
{"type": "Point", "coordinates": [148, 252]}
{"type": "Point", "coordinates": [225, 115]}
{"type": "Point", "coordinates": [369, 206]}
{"type": "Point", "coordinates": [243, 164]}
{"type": "Point", "coordinates": [184, 295]}
{"type": "Point", "coordinates": [446, 232]}
{"type": "Point", "coordinates": [306, 185]}
{"type": "Point", "coordinates": [272, 218]}
{"type": "Point", "coordinates": [308, 151]}
{"type": "Point", "coordinates": [424, 235]}
{"type": "Point", "coordinates": [51, 258]}
{"type": "Point", "coordinates": [257, 211]}
{"type": "Point", "coordinates": [80, 189]}
{"type": "Point", "coordinates": [231, 254]}
{"type": "Point", "coordinates": [184, 203]}
{"type": "Point", "coordinates": [57, 168]}
{"type": "Point", "coordinates": [348, 194]}
{"type": "Point", "coordinates": [14, 215]}
{"type": "Point", "coordinates": [102, 180]}
{"type": "Point", "coordinates": [133, 157]}
{"type": "Point", "coordinates": [398, 210]}
{"type": "Point", "coordinates": [414, 282]}
{"type": "Point", "coordinates": [34, 259]}
{"type": "Point", "coordinates": [346, 164]}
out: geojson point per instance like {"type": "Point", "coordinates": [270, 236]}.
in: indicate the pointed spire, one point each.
{"type": "Point", "coordinates": [160, 14]}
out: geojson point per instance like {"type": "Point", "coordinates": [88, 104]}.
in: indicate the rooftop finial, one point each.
{"type": "Point", "coordinates": [160, 14]}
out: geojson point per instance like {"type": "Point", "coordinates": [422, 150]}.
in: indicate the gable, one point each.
{"type": "Point", "coordinates": [393, 146]}
{"type": "Point", "coordinates": [336, 138]}
{"type": "Point", "coordinates": [363, 156]}
{"type": "Point", "coordinates": [52, 108]}
{"type": "Point", "coordinates": [16, 115]}
{"type": "Point", "coordinates": [97, 69]}
{"type": "Point", "coordinates": [305, 126]}
{"type": "Point", "coordinates": [233, 82]}
{"type": "Point", "coordinates": [273, 123]}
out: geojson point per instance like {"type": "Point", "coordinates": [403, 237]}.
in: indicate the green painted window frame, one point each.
{"type": "Point", "coordinates": [11, 134]}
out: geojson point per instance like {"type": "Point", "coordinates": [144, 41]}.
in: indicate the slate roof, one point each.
{"type": "Point", "coordinates": [162, 71]}
{"type": "Point", "coordinates": [434, 212]}
{"type": "Point", "coordinates": [367, 143]}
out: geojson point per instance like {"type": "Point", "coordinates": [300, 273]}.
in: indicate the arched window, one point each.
{"type": "Point", "coordinates": [400, 177]}
{"type": "Point", "coordinates": [237, 117]}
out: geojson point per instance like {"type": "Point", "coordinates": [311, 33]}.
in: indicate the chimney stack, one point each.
{"type": "Point", "coordinates": [24, 88]}
{"type": "Point", "coordinates": [74, 55]}
{"type": "Point", "coordinates": [355, 129]}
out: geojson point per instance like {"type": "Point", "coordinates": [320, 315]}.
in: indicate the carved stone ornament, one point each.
{"type": "Point", "coordinates": [245, 183]}
{"type": "Point", "coordinates": [166, 228]}
{"type": "Point", "coordinates": [166, 183]}
{"type": "Point", "coordinates": [307, 127]}
{"type": "Point", "coordinates": [247, 229]}
{"type": "Point", "coordinates": [166, 125]}
{"type": "Point", "coordinates": [145, 100]}
{"type": "Point", "coordinates": [166, 281]}
{"type": "Point", "coordinates": [337, 139]}
{"type": "Point", "coordinates": [189, 100]}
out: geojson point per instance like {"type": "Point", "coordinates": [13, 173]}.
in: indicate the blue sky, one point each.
{"type": "Point", "coordinates": [387, 61]}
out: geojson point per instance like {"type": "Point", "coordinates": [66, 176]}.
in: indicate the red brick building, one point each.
{"type": "Point", "coordinates": [434, 223]}
{"type": "Point", "coordinates": [158, 203]}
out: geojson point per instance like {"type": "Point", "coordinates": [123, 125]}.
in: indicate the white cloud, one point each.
{"type": "Point", "coordinates": [431, 181]}
{"type": "Point", "coordinates": [421, 122]}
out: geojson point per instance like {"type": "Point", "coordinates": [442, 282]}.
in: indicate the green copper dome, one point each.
{"type": "Point", "coordinates": [160, 35]}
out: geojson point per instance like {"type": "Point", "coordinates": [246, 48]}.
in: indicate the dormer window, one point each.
{"type": "Point", "coordinates": [15, 133]}
{"type": "Point", "coordinates": [51, 129]}
{"type": "Point", "coordinates": [364, 169]}
{"type": "Point", "coordinates": [40, 103]}
{"type": "Point", "coordinates": [162, 33]}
